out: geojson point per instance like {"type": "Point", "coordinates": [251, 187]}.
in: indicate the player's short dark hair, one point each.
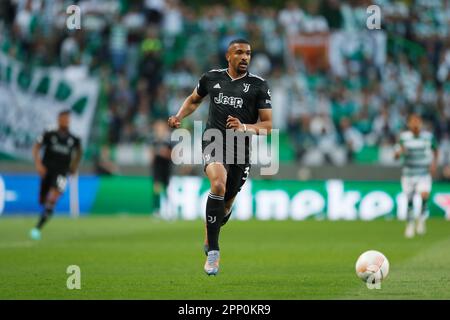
{"type": "Point", "coordinates": [63, 112]}
{"type": "Point", "coordinates": [413, 114]}
{"type": "Point", "coordinates": [240, 40]}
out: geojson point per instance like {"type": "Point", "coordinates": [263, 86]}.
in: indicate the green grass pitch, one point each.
{"type": "Point", "coordinates": [145, 258]}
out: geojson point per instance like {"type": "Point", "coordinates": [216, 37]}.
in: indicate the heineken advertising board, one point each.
{"type": "Point", "coordinates": [260, 199]}
{"type": "Point", "coordinates": [300, 200]}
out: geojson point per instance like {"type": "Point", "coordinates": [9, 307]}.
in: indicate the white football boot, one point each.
{"type": "Point", "coordinates": [421, 226]}
{"type": "Point", "coordinates": [212, 263]}
{"type": "Point", "coordinates": [410, 230]}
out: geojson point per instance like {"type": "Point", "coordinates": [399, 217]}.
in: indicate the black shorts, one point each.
{"type": "Point", "coordinates": [212, 155]}
{"type": "Point", "coordinates": [49, 181]}
{"type": "Point", "coordinates": [237, 174]}
{"type": "Point", "coordinates": [162, 170]}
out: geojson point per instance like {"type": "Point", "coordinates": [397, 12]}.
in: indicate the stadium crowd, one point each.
{"type": "Point", "coordinates": [149, 55]}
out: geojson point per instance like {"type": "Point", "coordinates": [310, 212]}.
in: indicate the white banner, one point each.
{"type": "Point", "coordinates": [30, 99]}
{"type": "Point", "coordinates": [356, 46]}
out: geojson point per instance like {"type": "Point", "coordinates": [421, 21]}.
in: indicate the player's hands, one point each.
{"type": "Point", "coordinates": [398, 153]}
{"type": "Point", "coordinates": [41, 169]}
{"type": "Point", "coordinates": [174, 122]}
{"type": "Point", "coordinates": [234, 123]}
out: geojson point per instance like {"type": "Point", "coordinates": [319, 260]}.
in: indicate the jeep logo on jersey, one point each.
{"type": "Point", "coordinates": [246, 87]}
{"type": "Point", "coordinates": [60, 148]}
{"type": "Point", "coordinates": [236, 102]}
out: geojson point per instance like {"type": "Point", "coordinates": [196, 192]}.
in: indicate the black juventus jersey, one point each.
{"type": "Point", "coordinates": [241, 98]}
{"type": "Point", "coordinates": [59, 148]}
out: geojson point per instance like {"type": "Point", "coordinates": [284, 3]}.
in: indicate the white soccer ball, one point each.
{"type": "Point", "coordinates": [372, 266]}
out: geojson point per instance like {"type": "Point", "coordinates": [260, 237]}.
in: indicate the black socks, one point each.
{"type": "Point", "coordinates": [410, 210]}
{"type": "Point", "coordinates": [424, 208]}
{"type": "Point", "coordinates": [215, 211]}
{"type": "Point", "coordinates": [48, 211]}
{"type": "Point", "coordinates": [226, 218]}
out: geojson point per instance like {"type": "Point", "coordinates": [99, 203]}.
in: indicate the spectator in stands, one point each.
{"type": "Point", "coordinates": [150, 49]}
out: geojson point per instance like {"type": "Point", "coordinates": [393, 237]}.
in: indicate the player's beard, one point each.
{"type": "Point", "coordinates": [416, 131]}
{"type": "Point", "coordinates": [242, 71]}
{"type": "Point", "coordinates": [64, 129]}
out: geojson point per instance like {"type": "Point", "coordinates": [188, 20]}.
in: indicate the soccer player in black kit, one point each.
{"type": "Point", "coordinates": [161, 164]}
{"type": "Point", "coordinates": [238, 99]}
{"type": "Point", "coordinates": [61, 156]}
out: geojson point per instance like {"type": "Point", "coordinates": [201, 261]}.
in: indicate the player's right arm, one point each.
{"type": "Point", "coordinates": [434, 162]}
{"type": "Point", "coordinates": [398, 152]}
{"type": "Point", "coordinates": [399, 148]}
{"type": "Point", "coordinates": [191, 103]}
{"type": "Point", "coordinates": [41, 169]}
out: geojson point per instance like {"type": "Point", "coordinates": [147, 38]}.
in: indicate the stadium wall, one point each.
{"type": "Point", "coordinates": [291, 171]}
{"type": "Point", "coordinates": [260, 199]}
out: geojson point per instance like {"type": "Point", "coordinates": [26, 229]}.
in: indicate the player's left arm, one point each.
{"type": "Point", "coordinates": [399, 148]}
{"type": "Point", "coordinates": [78, 152]}
{"type": "Point", "coordinates": [263, 127]}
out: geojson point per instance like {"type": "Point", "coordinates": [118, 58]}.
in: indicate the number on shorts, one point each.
{"type": "Point", "coordinates": [246, 173]}
{"type": "Point", "coordinates": [61, 182]}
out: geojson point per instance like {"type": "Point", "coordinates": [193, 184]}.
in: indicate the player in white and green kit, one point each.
{"type": "Point", "coordinates": [419, 151]}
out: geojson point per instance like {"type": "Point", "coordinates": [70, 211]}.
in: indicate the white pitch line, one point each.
{"type": "Point", "coordinates": [17, 244]}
